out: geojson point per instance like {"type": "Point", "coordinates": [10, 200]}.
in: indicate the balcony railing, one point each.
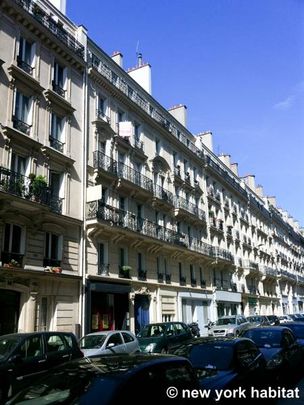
{"type": "Point", "coordinates": [124, 272]}
{"type": "Point", "coordinates": [163, 194]}
{"type": "Point", "coordinates": [56, 29]}
{"type": "Point", "coordinates": [58, 89]}
{"type": "Point", "coordinates": [22, 186]}
{"type": "Point", "coordinates": [182, 203]}
{"type": "Point", "coordinates": [223, 254]}
{"type": "Point", "coordinates": [142, 274]}
{"type": "Point", "coordinates": [21, 125]}
{"type": "Point", "coordinates": [139, 144]}
{"type": "Point", "coordinates": [24, 66]}
{"type": "Point", "coordinates": [193, 282]}
{"type": "Point", "coordinates": [248, 264]}
{"type": "Point", "coordinates": [103, 269]}
{"type": "Point", "coordinates": [182, 280]}
{"type": "Point", "coordinates": [9, 259]}
{"type": "Point", "coordinates": [56, 144]}
{"type": "Point", "coordinates": [160, 277]}
{"type": "Point", "coordinates": [168, 278]}
{"type": "Point", "coordinates": [102, 116]}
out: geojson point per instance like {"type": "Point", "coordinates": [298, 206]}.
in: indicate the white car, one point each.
{"type": "Point", "coordinates": [109, 342]}
{"type": "Point", "coordinates": [229, 326]}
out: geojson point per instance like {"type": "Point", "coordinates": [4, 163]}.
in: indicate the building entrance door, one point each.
{"type": "Point", "coordinates": [9, 314]}
{"type": "Point", "coordinates": [141, 311]}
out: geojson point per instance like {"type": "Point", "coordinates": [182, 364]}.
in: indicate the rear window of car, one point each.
{"type": "Point", "coordinates": [217, 356]}
{"type": "Point", "coordinates": [264, 338]}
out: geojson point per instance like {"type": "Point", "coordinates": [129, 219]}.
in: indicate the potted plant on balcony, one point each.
{"type": "Point", "coordinates": [125, 271]}
{"type": "Point", "coordinates": [37, 187]}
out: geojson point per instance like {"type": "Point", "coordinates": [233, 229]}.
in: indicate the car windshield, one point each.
{"type": "Point", "coordinates": [226, 321]}
{"type": "Point", "coordinates": [152, 331]}
{"type": "Point", "coordinates": [264, 338]}
{"type": "Point", "coordinates": [92, 341]}
{"type": "Point", "coordinates": [212, 356]}
{"type": "Point", "coordinates": [7, 345]}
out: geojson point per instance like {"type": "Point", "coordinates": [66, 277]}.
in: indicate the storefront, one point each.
{"type": "Point", "coordinates": [195, 307]}
{"type": "Point", "coordinates": [107, 306]}
{"type": "Point", "coordinates": [228, 303]}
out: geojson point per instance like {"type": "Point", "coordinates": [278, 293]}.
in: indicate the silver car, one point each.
{"type": "Point", "coordinates": [229, 326]}
{"type": "Point", "coordinates": [109, 342]}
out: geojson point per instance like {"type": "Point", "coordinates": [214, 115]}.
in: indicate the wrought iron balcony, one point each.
{"type": "Point", "coordinates": [248, 264]}
{"type": "Point", "coordinates": [24, 66]}
{"type": "Point", "coordinates": [102, 116]}
{"type": "Point", "coordinates": [10, 259]}
{"type": "Point", "coordinates": [182, 280]}
{"type": "Point", "coordinates": [58, 89]}
{"type": "Point", "coordinates": [103, 269]}
{"type": "Point", "coordinates": [24, 187]}
{"type": "Point", "coordinates": [56, 144]}
{"type": "Point", "coordinates": [124, 271]}
{"type": "Point", "coordinates": [21, 125]}
{"type": "Point", "coordinates": [139, 144]}
{"type": "Point", "coordinates": [55, 28]}
{"type": "Point", "coordinates": [223, 254]}
{"type": "Point", "coordinates": [142, 274]}
{"type": "Point", "coordinates": [168, 278]}
{"type": "Point", "coordinates": [193, 282]}
{"type": "Point", "coordinates": [160, 277]}
{"type": "Point", "coordinates": [182, 203]}
{"type": "Point", "coordinates": [163, 194]}
{"type": "Point", "coordinates": [203, 284]}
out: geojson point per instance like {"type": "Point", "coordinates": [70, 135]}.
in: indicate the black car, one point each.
{"type": "Point", "coordinates": [116, 379]}
{"type": "Point", "coordinates": [273, 320]}
{"type": "Point", "coordinates": [160, 337]}
{"type": "Point", "coordinates": [24, 356]}
{"type": "Point", "coordinates": [297, 329]}
{"type": "Point", "coordinates": [280, 349]}
{"type": "Point", "coordinates": [224, 363]}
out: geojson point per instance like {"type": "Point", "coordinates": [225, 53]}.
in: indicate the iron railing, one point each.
{"type": "Point", "coordinates": [24, 66]}
{"type": "Point", "coordinates": [56, 144]}
{"type": "Point", "coordinates": [21, 125]}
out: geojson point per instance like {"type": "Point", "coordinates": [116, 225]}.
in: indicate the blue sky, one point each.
{"type": "Point", "coordinates": [238, 66]}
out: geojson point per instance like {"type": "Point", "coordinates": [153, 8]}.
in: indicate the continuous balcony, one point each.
{"type": "Point", "coordinates": [163, 196]}
{"type": "Point", "coordinates": [111, 167]}
{"type": "Point", "coordinates": [50, 24]}
{"type": "Point", "coordinates": [23, 187]}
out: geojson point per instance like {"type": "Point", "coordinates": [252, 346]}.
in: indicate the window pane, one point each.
{"type": "Point", "coordinates": [16, 239]}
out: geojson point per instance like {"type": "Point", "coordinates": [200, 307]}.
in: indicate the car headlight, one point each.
{"type": "Point", "coordinates": [150, 347]}
{"type": "Point", "coordinates": [275, 362]}
{"type": "Point", "coordinates": [230, 331]}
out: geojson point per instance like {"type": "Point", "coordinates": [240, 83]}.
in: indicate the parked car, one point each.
{"type": "Point", "coordinates": [273, 320]}
{"type": "Point", "coordinates": [285, 319]}
{"type": "Point", "coordinates": [258, 320]}
{"type": "Point", "coordinates": [229, 326]}
{"type": "Point", "coordinates": [109, 342]}
{"type": "Point", "coordinates": [112, 380]}
{"type": "Point", "coordinates": [224, 363]}
{"type": "Point", "coordinates": [23, 356]}
{"type": "Point", "coordinates": [297, 317]}
{"type": "Point", "coordinates": [280, 349]}
{"type": "Point", "coordinates": [159, 337]}
{"type": "Point", "coordinates": [297, 329]}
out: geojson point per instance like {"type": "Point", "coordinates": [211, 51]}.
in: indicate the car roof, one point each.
{"type": "Point", "coordinates": [26, 334]}
{"type": "Point", "coordinates": [227, 341]}
{"type": "Point", "coordinates": [107, 332]}
{"type": "Point", "coordinates": [269, 328]}
{"type": "Point", "coordinates": [294, 323]}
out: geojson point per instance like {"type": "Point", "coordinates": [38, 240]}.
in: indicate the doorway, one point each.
{"type": "Point", "coordinates": [141, 311]}
{"type": "Point", "coordinates": [9, 315]}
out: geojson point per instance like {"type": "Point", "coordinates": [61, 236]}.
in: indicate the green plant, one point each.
{"type": "Point", "coordinates": [38, 186]}
{"type": "Point", "coordinates": [126, 268]}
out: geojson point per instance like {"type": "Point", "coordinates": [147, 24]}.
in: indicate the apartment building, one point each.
{"type": "Point", "coordinates": [41, 138]}
{"type": "Point", "coordinates": [113, 214]}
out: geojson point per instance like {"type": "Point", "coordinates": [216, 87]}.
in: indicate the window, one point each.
{"type": "Point", "coordinates": [55, 343]}
{"type": "Point", "coordinates": [120, 116]}
{"type": "Point", "coordinates": [55, 184]}
{"type": "Point", "coordinates": [127, 337]}
{"type": "Point", "coordinates": [31, 348]}
{"type": "Point", "coordinates": [43, 314]}
{"type": "Point", "coordinates": [53, 250]}
{"type": "Point", "coordinates": [13, 239]}
{"type": "Point", "coordinates": [26, 55]}
{"type": "Point", "coordinates": [59, 79]}
{"type": "Point", "coordinates": [18, 164]}
{"type": "Point", "coordinates": [157, 146]}
{"type": "Point", "coordinates": [22, 119]}
{"type": "Point", "coordinates": [56, 135]}
{"type": "Point", "coordinates": [115, 339]}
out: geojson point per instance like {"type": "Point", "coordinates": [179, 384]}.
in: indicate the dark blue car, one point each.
{"type": "Point", "coordinates": [297, 329]}
{"type": "Point", "coordinates": [224, 363]}
{"type": "Point", "coordinates": [280, 349]}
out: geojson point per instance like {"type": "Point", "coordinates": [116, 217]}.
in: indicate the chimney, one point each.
{"type": "Point", "coordinates": [179, 112]}
{"type": "Point", "coordinates": [118, 58]}
{"type": "Point", "coordinates": [272, 200]}
{"type": "Point", "coordinates": [259, 190]}
{"type": "Point", "coordinates": [225, 159]}
{"type": "Point", "coordinates": [206, 139]}
{"type": "Point", "coordinates": [142, 74]}
{"type": "Point", "coordinates": [60, 4]}
{"type": "Point", "coordinates": [250, 181]}
{"type": "Point", "coordinates": [235, 168]}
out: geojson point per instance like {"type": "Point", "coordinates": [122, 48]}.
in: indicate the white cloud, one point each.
{"type": "Point", "coordinates": [285, 104]}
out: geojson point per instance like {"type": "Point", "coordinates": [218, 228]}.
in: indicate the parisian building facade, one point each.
{"type": "Point", "coordinates": [113, 214]}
